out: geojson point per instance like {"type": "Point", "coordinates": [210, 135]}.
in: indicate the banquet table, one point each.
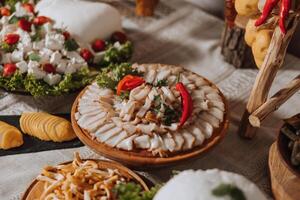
{"type": "Point", "coordinates": [179, 34]}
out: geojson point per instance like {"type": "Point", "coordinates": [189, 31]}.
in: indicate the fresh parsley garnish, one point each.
{"type": "Point", "coordinates": [170, 115]}
{"type": "Point", "coordinates": [71, 45]}
{"type": "Point", "coordinates": [13, 20]}
{"type": "Point", "coordinates": [8, 48]}
{"type": "Point", "coordinates": [229, 190]}
{"type": "Point", "coordinates": [34, 57]}
{"type": "Point", "coordinates": [163, 82]}
{"type": "Point", "coordinates": [133, 191]}
{"type": "Point", "coordinates": [125, 95]}
{"type": "Point", "coordinates": [38, 34]}
{"type": "Point", "coordinates": [110, 77]}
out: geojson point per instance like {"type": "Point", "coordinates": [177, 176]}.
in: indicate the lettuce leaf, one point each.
{"type": "Point", "coordinates": [13, 83]}
{"type": "Point", "coordinates": [114, 55]}
{"type": "Point", "coordinates": [133, 191]}
{"type": "Point", "coordinates": [38, 88]}
{"type": "Point", "coordinates": [110, 76]}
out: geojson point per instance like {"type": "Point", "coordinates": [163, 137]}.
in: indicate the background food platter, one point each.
{"type": "Point", "coordinates": [36, 187]}
{"type": "Point", "coordinates": [144, 159]}
{"type": "Point", "coordinates": [32, 144]}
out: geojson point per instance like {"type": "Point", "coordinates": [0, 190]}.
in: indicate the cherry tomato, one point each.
{"type": "Point", "coordinates": [29, 7]}
{"type": "Point", "coordinates": [11, 38]}
{"type": "Point", "coordinates": [98, 45]}
{"type": "Point", "coordinates": [119, 36]}
{"type": "Point", "coordinates": [41, 20]}
{"type": "Point", "coordinates": [5, 11]}
{"type": "Point", "coordinates": [86, 55]}
{"type": "Point", "coordinates": [9, 69]}
{"type": "Point", "coordinates": [24, 25]}
{"type": "Point", "coordinates": [66, 34]}
{"type": "Point", "coordinates": [49, 68]}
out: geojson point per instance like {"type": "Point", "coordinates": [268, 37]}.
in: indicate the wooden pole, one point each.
{"type": "Point", "coordinates": [273, 60]}
{"type": "Point", "coordinates": [274, 102]}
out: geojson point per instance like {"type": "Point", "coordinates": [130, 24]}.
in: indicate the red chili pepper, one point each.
{"type": "Point", "coordinates": [230, 12]}
{"type": "Point", "coordinates": [9, 69]}
{"type": "Point", "coordinates": [186, 101]}
{"type": "Point", "coordinates": [135, 82]}
{"type": "Point", "coordinates": [49, 68]}
{"type": "Point", "coordinates": [41, 20]}
{"type": "Point", "coordinates": [11, 38]}
{"type": "Point", "coordinates": [29, 7]}
{"type": "Point", "coordinates": [284, 12]}
{"type": "Point", "coordinates": [5, 11]}
{"type": "Point", "coordinates": [24, 25]}
{"type": "Point", "coordinates": [268, 7]}
{"type": "Point", "coordinates": [129, 82]}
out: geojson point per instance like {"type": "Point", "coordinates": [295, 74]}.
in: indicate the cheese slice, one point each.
{"type": "Point", "coordinates": [85, 20]}
{"type": "Point", "coordinates": [10, 136]}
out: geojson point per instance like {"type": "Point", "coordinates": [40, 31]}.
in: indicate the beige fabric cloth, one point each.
{"type": "Point", "coordinates": [178, 34]}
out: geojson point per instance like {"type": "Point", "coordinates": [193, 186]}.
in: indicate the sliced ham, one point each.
{"type": "Point", "coordinates": [189, 140]}
{"type": "Point", "coordinates": [115, 140]}
{"type": "Point", "coordinates": [169, 142]}
{"type": "Point", "coordinates": [198, 135]}
{"type": "Point", "coordinates": [105, 135]}
{"type": "Point", "coordinates": [127, 144]}
{"type": "Point", "coordinates": [141, 94]}
{"type": "Point", "coordinates": [217, 104]}
{"type": "Point", "coordinates": [210, 119]}
{"type": "Point", "coordinates": [105, 128]}
{"type": "Point", "coordinates": [146, 128]}
{"type": "Point", "coordinates": [168, 93]}
{"type": "Point", "coordinates": [179, 141]}
{"type": "Point", "coordinates": [86, 121]}
{"type": "Point", "coordinates": [206, 128]}
{"type": "Point", "coordinates": [219, 114]}
{"type": "Point", "coordinates": [214, 96]}
{"type": "Point", "coordinates": [142, 142]}
{"type": "Point", "coordinates": [143, 110]}
{"type": "Point", "coordinates": [163, 74]}
{"type": "Point", "coordinates": [150, 76]}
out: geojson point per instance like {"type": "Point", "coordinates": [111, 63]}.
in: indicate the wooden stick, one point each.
{"type": "Point", "coordinates": [273, 60]}
{"type": "Point", "coordinates": [145, 7]}
{"type": "Point", "coordinates": [274, 102]}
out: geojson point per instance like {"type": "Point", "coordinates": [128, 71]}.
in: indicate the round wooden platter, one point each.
{"type": "Point", "coordinates": [143, 159]}
{"type": "Point", "coordinates": [35, 189]}
{"type": "Point", "coordinates": [285, 182]}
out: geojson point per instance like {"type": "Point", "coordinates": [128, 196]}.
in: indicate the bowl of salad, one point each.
{"type": "Point", "coordinates": [39, 59]}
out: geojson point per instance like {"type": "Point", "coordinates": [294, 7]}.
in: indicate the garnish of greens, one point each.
{"type": "Point", "coordinates": [229, 190]}
{"type": "Point", "coordinates": [110, 77]}
{"type": "Point", "coordinates": [115, 54]}
{"type": "Point", "coordinates": [38, 88]}
{"type": "Point", "coordinates": [170, 115]}
{"type": "Point", "coordinates": [71, 45]}
{"type": "Point", "coordinates": [133, 191]}
{"type": "Point", "coordinates": [163, 82]}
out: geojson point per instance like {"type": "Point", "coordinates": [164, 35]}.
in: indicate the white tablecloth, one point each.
{"type": "Point", "coordinates": [178, 34]}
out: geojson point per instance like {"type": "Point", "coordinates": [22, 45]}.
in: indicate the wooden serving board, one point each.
{"type": "Point", "coordinates": [32, 144]}
{"type": "Point", "coordinates": [140, 159]}
{"type": "Point", "coordinates": [285, 184]}
{"type": "Point", "coordinates": [35, 189]}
